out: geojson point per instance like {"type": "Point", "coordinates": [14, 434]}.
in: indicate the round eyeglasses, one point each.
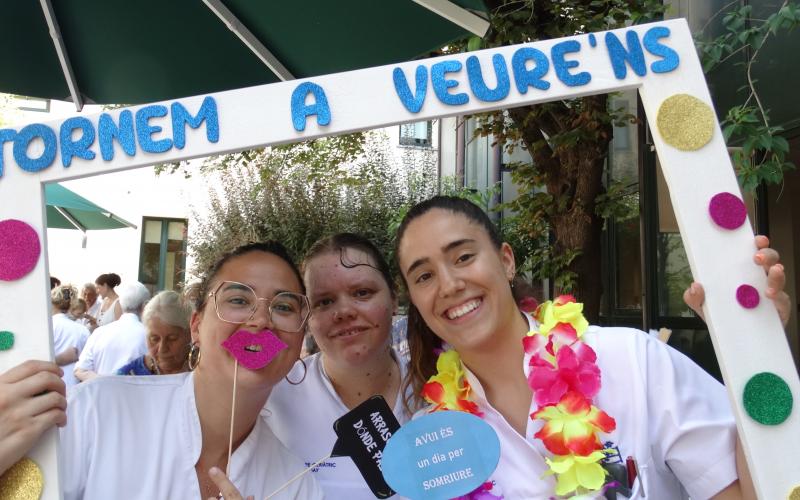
{"type": "Point", "coordinates": [237, 303]}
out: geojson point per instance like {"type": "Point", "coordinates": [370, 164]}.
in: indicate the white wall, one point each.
{"type": "Point", "coordinates": [131, 195]}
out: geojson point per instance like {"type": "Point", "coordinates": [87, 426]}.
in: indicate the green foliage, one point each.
{"type": "Point", "coordinates": [762, 155]}
{"type": "Point", "coordinates": [619, 202]}
{"type": "Point", "coordinates": [568, 142]}
{"type": "Point", "coordinates": [298, 194]}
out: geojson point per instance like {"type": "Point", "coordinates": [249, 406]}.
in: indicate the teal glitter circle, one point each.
{"type": "Point", "coordinates": [767, 399]}
{"type": "Point", "coordinates": [6, 340]}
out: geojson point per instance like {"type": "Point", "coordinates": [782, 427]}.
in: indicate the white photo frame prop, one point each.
{"type": "Point", "coordinates": [659, 59]}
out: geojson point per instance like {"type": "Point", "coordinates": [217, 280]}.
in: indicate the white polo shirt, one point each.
{"type": "Point", "coordinates": [66, 334]}
{"type": "Point", "coordinates": [112, 346]}
{"type": "Point", "coordinates": [302, 417]}
{"type": "Point", "coordinates": [140, 438]}
{"type": "Point", "coordinates": [672, 417]}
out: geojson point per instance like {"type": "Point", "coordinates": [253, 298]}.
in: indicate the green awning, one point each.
{"type": "Point", "coordinates": [132, 52]}
{"type": "Point", "coordinates": [68, 210]}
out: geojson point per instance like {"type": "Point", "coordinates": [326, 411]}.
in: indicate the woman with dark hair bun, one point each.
{"type": "Point", "coordinates": [110, 310]}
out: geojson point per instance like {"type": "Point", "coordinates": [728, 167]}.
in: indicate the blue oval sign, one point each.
{"type": "Point", "coordinates": [442, 455]}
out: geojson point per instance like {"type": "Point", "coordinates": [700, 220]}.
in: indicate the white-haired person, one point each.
{"type": "Point", "coordinates": [93, 305]}
{"type": "Point", "coordinates": [69, 337]}
{"type": "Point", "coordinates": [115, 344]}
{"type": "Point", "coordinates": [166, 318]}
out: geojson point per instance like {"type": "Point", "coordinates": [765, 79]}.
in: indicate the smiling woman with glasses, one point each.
{"type": "Point", "coordinates": [174, 435]}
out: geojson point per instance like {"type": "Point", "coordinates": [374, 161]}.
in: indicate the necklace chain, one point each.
{"type": "Point", "coordinates": [154, 366]}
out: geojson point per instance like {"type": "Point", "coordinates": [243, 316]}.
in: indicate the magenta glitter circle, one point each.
{"type": "Point", "coordinates": [747, 296]}
{"type": "Point", "coordinates": [727, 210]}
{"type": "Point", "coordinates": [19, 249]}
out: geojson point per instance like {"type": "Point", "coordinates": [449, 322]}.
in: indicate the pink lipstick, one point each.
{"type": "Point", "coordinates": [254, 350]}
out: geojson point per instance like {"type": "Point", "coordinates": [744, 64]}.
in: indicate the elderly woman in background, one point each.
{"type": "Point", "coordinates": [93, 305]}
{"type": "Point", "coordinates": [166, 318]}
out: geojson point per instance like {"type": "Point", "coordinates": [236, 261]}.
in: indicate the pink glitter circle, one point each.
{"type": "Point", "coordinates": [747, 296]}
{"type": "Point", "coordinates": [19, 249]}
{"type": "Point", "coordinates": [727, 210]}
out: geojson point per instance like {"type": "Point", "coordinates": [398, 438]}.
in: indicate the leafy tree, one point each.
{"type": "Point", "coordinates": [568, 141]}
{"type": "Point", "coordinates": [563, 200]}
{"type": "Point", "coordinates": [300, 193]}
{"type": "Point", "coordinates": [762, 156]}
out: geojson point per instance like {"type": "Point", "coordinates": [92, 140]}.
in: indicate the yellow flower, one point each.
{"type": "Point", "coordinates": [574, 472]}
{"type": "Point", "coordinates": [448, 389]}
{"type": "Point", "coordinates": [563, 310]}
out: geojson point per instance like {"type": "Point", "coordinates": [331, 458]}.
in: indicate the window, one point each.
{"type": "Point", "coordinates": [476, 158]}
{"type": "Point", "coordinates": [622, 275]}
{"type": "Point", "coordinates": [416, 134]}
{"type": "Point", "coordinates": [162, 257]}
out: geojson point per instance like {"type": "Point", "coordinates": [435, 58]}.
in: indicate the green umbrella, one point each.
{"type": "Point", "coordinates": [67, 210]}
{"type": "Point", "coordinates": [132, 52]}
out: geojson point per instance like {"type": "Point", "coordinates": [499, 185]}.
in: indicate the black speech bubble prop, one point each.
{"type": "Point", "coordinates": [362, 434]}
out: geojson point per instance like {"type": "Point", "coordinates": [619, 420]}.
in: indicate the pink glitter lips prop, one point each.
{"type": "Point", "coordinates": [254, 350]}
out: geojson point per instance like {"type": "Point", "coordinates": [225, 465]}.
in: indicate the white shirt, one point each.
{"type": "Point", "coordinates": [672, 417]}
{"type": "Point", "coordinates": [302, 417]}
{"type": "Point", "coordinates": [94, 309]}
{"type": "Point", "coordinates": [114, 345]}
{"type": "Point", "coordinates": [106, 317]}
{"type": "Point", "coordinates": [66, 334]}
{"type": "Point", "coordinates": [140, 438]}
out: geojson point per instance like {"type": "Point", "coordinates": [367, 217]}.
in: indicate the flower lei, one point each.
{"type": "Point", "coordinates": [564, 378]}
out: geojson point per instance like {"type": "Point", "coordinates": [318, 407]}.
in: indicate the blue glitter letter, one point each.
{"type": "Point", "coordinates": [670, 59]}
{"type": "Point", "coordinates": [145, 131]}
{"type": "Point", "coordinates": [301, 111]}
{"type": "Point", "coordinates": [563, 66]}
{"type": "Point", "coordinates": [411, 101]}
{"type": "Point", "coordinates": [618, 55]}
{"type": "Point", "coordinates": [23, 140]}
{"type": "Point", "coordinates": [478, 85]}
{"type": "Point", "coordinates": [207, 113]}
{"type": "Point", "coordinates": [524, 77]}
{"type": "Point", "coordinates": [124, 134]}
{"type": "Point", "coordinates": [441, 84]}
{"type": "Point", "coordinates": [6, 135]}
{"type": "Point", "coordinates": [79, 148]}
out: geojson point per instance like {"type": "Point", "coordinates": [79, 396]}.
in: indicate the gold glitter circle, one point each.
{"type": "Point", "coordinates": [22, 481]}
{"type": "Point", "coordinates": [685, 122]}
{"type": "Point", "coordinates": [794, 494]}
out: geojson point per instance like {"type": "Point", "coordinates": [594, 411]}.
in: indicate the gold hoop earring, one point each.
{"type": "Point", "coordinates": [305, 372]}
{"type": "Point", "coordinates": [193, 359]}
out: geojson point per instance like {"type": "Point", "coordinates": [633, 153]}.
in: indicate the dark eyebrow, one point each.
{"type": "Point", "coordinates": [239, 286]}
{"type": "Point", "coordinates": [456, 244]}
{"type": "Point", "coordinates": [450, 246]}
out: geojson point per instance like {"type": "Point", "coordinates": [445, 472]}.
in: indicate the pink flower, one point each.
{"type": "Point", "coordinates": [482, 492]}
{"type": "Point", "coordinates": [574, 370]}
{"type": "Point", "coordinates": [528, 304]}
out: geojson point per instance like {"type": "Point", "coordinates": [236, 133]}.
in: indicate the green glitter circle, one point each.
{"type": "Point", "coordinates": [6, 340]}
{"type": "Point", "coordinates": [767, 399]}
{"type": "Point", "coordinates": [795, 494]}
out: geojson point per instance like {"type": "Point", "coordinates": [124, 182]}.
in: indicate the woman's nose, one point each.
{"type": "Point", "coordinates": [261, 316]}
{"type": "Point", "coordinates": [449, 283]}
{"type": "Point", "coordinates": [344, 310]}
